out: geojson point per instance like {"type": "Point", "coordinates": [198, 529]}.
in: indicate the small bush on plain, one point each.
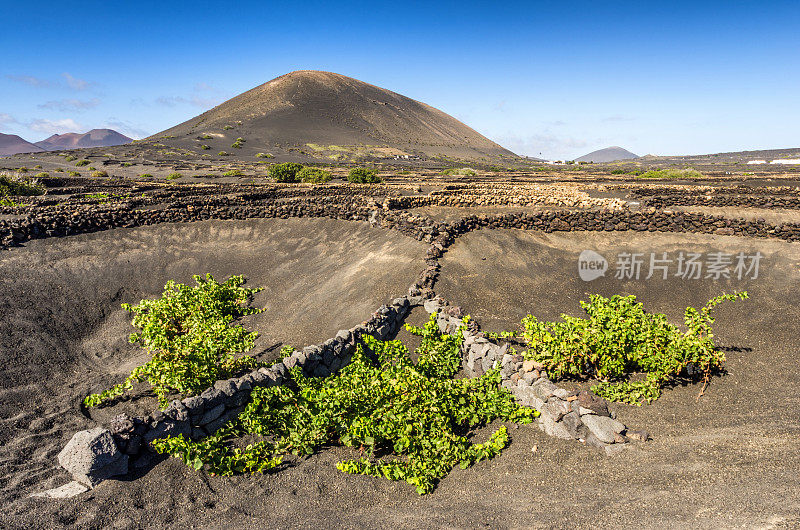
{"type": "Point", "coordinates": [671, 174]}
{"type": "Point", "coordinates": [464, 172]}
{"type": "Point", "coordinates": [286, 172]}
{"type": "Point", "coordinates": [314, 175]}
{"type": "Point", "coordinates": [362, 175]}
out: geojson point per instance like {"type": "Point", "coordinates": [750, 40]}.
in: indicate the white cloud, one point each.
{"type": "Point", "coordinates": [30, 80]}
{"type": "Point", "coordinates": [203, 96]}
{"type": "Point", "coordinates": [56, 126]}
{"type": "Point", "coordinates": [65, 105]}
{"type": "Point", "coordinates": [70, 82]}
{"type": "Point", "coordinates": [76, 84]}
{"type": "Point", "coordinates": [170, 101]}
{"type": "Point", "coordinates": [7, 119]}
{"type": "Point", "coordinates": [126, 128]}
{"type": "Point", "coordinates": [195, 101]}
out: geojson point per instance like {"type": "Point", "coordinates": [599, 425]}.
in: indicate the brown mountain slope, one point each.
{"type": "Point", "coordinates": [11, 144]}
{"type": "Point", "coordinates": [329, 110]}
{"type": "Point", "coordinates": [93, 138]}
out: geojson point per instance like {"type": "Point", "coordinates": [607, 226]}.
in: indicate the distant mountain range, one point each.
{"type": "Point", "coordinates": [93, 138]}
{"type": "Point", "coordinates": [609, 154]}
{"type": "Point", "coordinates": [11, 144]}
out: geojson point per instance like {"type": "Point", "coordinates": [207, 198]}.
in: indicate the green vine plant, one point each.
{"type": "Point", "coordinates": [191, 337]}
{"type": "Point", "coordinates": [619, 340]}
{"type": "Point", "coordinates": [409, 420]}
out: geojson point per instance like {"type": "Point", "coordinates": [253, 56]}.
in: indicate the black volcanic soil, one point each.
{"type": "Point", "coordinates": [728, 460]}
{"type": "Point", "coordinates": [63, 333]}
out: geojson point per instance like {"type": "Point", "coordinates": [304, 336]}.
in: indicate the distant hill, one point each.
{"type": "Point", "coordinates": [11, 144]}
{"type": "Point", "coordinates": [609, 154]}
{"type": "Point", "coordinates": [329, 114]}
{"type": "Point", "coordinates": [93, 138]}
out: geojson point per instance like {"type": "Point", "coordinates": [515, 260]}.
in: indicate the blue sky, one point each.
{"type": "Point", "coordinates": [556, 78]}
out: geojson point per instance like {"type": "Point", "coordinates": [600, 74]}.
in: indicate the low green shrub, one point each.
{"type": "Point", "coordinates": [265, 155]}
{"type": "Point", "coordinates": [99, 174]}
{"type": "Point", "coordinates": [145, 176]}
{"type": "Point", "coordinates": [314, 175]}
{"type": "Point", "coordinates": [286, 172]}
{"type": "Point", "coordinates": [223, 153]}
{"type": "Point", "coordinates": [174, 176]}
{"type": "Point", "coordinates": [11, 184]}
{"type": "Point", "coordinates": [191, 336]}
{"type": "Point", "coordinates": [361, 175]}
{"type": "Point", "coordinates": [69, 158]}
{"type": "Point", "coordinates": [205, 147]}
{"type": "Point", "coordinates": [42, 175]}
{"type": "Point", "coordinates": [74, 173]}
{"type": "Point", "coordinates": [671, 174]}
{"type": "Point", "coordinates": [413, 419]}
{"type": "Point", "coordinates": [227, 128]}
{"type": "Point", "coordinates": [620, 339]}
{"type": "Point", "coordinates": [126, 164]}
{"type": "Point", "coordinates": [464, 172]}
{"type": "Point", "coordinates": [238, 143]}
{"type": "Point", "coordinates": [232, 173]}
{"type": "Point", "coordinates": [83, 162]}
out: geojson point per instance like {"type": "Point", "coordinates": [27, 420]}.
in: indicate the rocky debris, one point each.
{"type": "Point", "coordinates": [70, 489]}
{"type": "Point", "coordinates": [91, 456]}
{"type": "Point", "coordinates": [592, 402]}
{"type": "Point", "coordinates": [564, 414]}
{"type": "Point", "coordinates": [603, 427]}
{"type": "Point", "coordinates": [504, 194]}
{"type": "Point", "coordinates": [639, 435]}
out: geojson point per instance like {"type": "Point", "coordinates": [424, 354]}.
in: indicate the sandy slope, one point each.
{"type": "Point", "coordinates": [728, 461]}
{"type": "Point", "coordinates": [328, 109]}
{"type": "Point", "coordinates": [63, 332]}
